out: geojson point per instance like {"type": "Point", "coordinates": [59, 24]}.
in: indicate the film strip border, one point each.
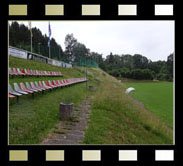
{"type": "Point", "coordinates": [26, 157]}
{"type": "Point", "coordinates": [90, 10]}
{"type": "Point", "coordinates": [89, 155]}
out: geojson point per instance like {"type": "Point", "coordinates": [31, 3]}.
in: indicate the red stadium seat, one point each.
{"type": "Point", "coordinates": [45, 73]}
{"type": "Point", "coordinates": [53, 83]}
{"type": "Point", "coordinates": [11, 73]}
{"type": "Point", "coordinates": [22, 70]}
{"type": "Point", "coordinates": [15, 71]}
{"type": "Point", "coordinates": [66, 82]}
{"type": "Point", "coordinates": [22, 86]}
{"type": "Point", "coordinates": [17, 89]}
{"type": "Point", "coordinates": [10, 96]}
{"type": "Point", "coordinates": [63, 83]}
{"type": "Point", "coordinates": [20, 73]}
{"type": "Point", "coordinates": [34, 87]}
{"type": "Point", "coordinates": [25, 70]}
{"type": "Point", "coordinates": [29, 87]}
{"type": "Point", "coordinates": [29, 71]}
{"type": "Point", "coordinates": [34, 72]}
{"type": "Point", "coordinates": [42, 86]}
{"type": "Point", "coordinates": [48, 84]}
{"type": "Point", "coordinates": [58, 82]}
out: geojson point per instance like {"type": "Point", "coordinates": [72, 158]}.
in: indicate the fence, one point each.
{"type": "Point", "coordinates": [83, 61]}
{"type": "Point", "coordinates": [36, 57]}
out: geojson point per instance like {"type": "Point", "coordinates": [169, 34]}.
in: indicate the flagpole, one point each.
{"type": "Point", "coordinates": [30, 26]}
{"type": "Point", "coordinates": [49, 31]}
{"type": "Point", "coordinates": [31, 43]}
{"type": "Point", "coordinates": [49, 51]}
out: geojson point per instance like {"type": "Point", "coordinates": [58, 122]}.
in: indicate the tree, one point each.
{"type": "Point", "coordinates": [110, 59]}
{"type": "Point", "coordinates": [96, 57]}
{"type": "Point", "coordinates": [128, 61]}
{"type": "Point", "coordinates": [140, 62]}
{"type": "Point", "coordinates": [70, 43]}
{"type": "Point", "coordinates": [14, 34]}
{"type": "Point", "coordinates": [19, 36]}
{"type": "Point", "coordinates": [79, 51]}
{"type": "Point", "coordinates": [170, 65]}
{"type": "Point", "coordinates": [156, 66]}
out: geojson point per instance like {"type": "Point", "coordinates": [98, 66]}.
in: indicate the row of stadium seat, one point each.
{"type": "Point", "coordinates": [30, 72]}
{"type": "Point", "coordinates": [40, 86]}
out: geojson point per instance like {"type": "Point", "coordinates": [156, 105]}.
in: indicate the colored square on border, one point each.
{"type": "Point", "coordinates": [127, 155]}
{"type": "Point", "coordinates": [18, 155]}
{"type": "Point", "coordinates": [164, 155]}
{"type": "Point", "coordinates": [162, 10]}
{"type": "Point", "coordinates": [57, 10]}
{"type": "Point", "coordinates": [54, 155]}
{"type": "Point", "coordinates": [17, 10]}
{"type": "Point", "coordinates": [93, 10]}
{"type": "Point", "coordinates": [129, 10]}
{"type": "Point", "coordinates": [91, 155]}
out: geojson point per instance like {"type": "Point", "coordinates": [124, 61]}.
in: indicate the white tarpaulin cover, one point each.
{"type": "Point", "coordinates": [129, 90]}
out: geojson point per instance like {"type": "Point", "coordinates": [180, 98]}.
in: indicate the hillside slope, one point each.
{"type": "Point", "coordinates": [115, 118]}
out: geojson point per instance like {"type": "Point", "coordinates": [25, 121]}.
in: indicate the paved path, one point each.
{"type": "Point", "coordinates": [71, 132]}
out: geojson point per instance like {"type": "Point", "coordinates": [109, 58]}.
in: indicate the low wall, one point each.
{"type": "Point", "coordinates": [20, 53]}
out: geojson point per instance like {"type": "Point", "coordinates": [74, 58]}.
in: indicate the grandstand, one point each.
{"type": "Point", "coordinates": [30, 72]}
{"type": "Point", "coordinates": [38, 86]}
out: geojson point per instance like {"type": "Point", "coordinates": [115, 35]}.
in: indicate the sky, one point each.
{"type": "Point", "coordinates": [153, 39]}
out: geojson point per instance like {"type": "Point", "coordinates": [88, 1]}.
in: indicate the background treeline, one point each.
{"type": "Point", "coordinates": [138, 67]}
{"type": "Point", "coordinates": [128, 66]}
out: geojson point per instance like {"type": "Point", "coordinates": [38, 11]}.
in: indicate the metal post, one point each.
{"type": "Point", "coordinates": [86, 80]}
{"type": "Point", "coordinates": [17, 99]}
{"type": "Point", "coordinates": [31, 44]}
{"type": "Point", "coordinates": [86, 73]}
{"type": "Point", "coordinates": [49, 52]}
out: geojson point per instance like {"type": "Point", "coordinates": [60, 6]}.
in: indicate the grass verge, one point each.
{"type": "Point", "coordinates": [157, 97]}
{"type": "Point", "coordinates": [116, 119]}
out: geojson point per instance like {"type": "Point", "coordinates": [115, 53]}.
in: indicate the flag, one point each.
{"type": "Point", "coordinates": [30, 26]}
{"type": "Point", "coordinates": [49, 31]}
